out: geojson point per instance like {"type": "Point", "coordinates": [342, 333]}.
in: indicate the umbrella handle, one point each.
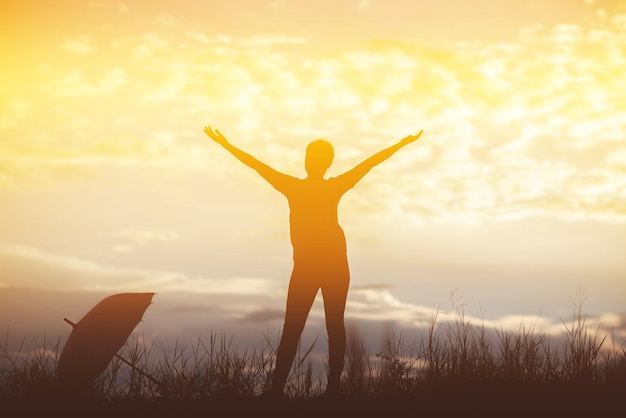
{"type": "Point", "coordinates": [70, 322]}
{"type": "Point", "coordinates": [144, 374]}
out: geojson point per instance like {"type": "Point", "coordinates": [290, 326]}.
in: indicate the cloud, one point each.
{"type": "Point", "coordinates": [142, 237]}
{"type": "Point", "coordinates": [363, 5]}
{"type": "Point", "coordinates": [83, 44]}
{"type": "Point", "coordinates": [381, 305]}
{"type": "Point", "coordinates": [30, 267]}
{"type": "Point", "coordinates": [268, 41]}
{"type": "Point", "coordinates": [523, 130]}
{"type": "Point", "coordinates": [165, 19]}
{"type": "Point", "coordinates": [381, 286]}
{"type": "Point", "coordinates": [613, 324]}
{"type": "Point", "coordinates": [368, 307]}
{"type": "Point", "coordinates": [263, 315]}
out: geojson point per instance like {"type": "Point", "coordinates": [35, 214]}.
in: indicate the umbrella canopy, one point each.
{"type": "Point", "coordinates": [98, 336]}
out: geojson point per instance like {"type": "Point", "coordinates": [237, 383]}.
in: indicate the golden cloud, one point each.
{"type": "Point", "coordinates": [508, 126]}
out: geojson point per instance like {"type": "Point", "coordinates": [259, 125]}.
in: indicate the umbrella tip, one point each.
{"type": "Point", "coordinates": [70, 322]}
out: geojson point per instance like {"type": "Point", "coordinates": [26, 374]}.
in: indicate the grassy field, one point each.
{"type": "Point", "coordinates": [457, 368]}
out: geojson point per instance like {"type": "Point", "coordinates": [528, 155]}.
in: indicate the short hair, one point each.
{"type": "Point", "coordinates": [319, 156]}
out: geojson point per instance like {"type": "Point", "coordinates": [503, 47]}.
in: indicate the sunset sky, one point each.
{"type": "Point", "coordinates": [514, 198]}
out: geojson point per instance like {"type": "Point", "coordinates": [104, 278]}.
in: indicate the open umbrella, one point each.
{"type": "Point", "coordinates": [98, 336]}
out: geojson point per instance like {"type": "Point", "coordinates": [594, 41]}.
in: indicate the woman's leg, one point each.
{"type": "Point", "coordinates": [300, 298]}
{"type": "Point", "coordinates": [335, 294]}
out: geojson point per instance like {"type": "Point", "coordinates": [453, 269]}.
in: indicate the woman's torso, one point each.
{"type": "Point", "coordinates": [314, 226]}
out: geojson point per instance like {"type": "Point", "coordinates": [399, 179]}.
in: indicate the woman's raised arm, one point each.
{"type": "Point", "coordinates": [275, 178]}
{"type": "Point", "coordinates": [353, 176]}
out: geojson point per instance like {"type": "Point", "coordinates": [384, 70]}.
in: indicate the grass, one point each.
{"type": "Point", "coordinates": [458, 366]}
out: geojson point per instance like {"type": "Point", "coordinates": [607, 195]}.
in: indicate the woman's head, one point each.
{"type": "Point", "coordinates": [319, 156]}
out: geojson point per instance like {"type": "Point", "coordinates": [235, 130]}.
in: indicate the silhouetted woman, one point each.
{"type": "Point", "coordinates": [319, 247]}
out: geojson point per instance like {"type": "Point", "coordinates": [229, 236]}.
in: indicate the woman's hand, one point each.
{"type": "Point", "coordinates": [411, 138]}
{"type": "Point", "coordinates": [215, 135]}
